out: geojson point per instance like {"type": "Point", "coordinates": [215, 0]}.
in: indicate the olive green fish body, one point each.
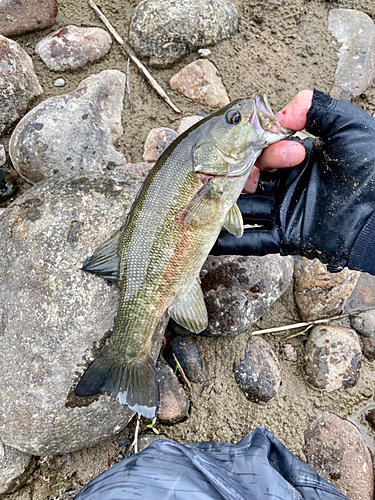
{"type": "Point", "coordinates": [157, 255]}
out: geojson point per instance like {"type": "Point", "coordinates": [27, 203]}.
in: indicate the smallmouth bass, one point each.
{"type": "Point", "coordinates": [156, 256]}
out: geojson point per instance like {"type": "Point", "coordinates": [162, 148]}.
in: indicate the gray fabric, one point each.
{"type": "Point", "coordinates": [257, 468]}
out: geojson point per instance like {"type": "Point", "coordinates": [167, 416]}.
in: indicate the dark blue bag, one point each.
{"type": "Point", "coordinates": [257, 468]}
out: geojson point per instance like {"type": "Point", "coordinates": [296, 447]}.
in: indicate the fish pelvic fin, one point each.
{"type": "Point", "coordinates": [133, 383]}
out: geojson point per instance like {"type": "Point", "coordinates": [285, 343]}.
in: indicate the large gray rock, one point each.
{"type": "Point", "coordinates": [332, 358]}
{"type": "Point", "coordinates": [21, 16]}
{"type": "Point", "coordinates": [355, 32]}
{"type": "Point", "coordinates": [13, 464]}
{"type": "Point", "coordinates": [52, 314]}
{"type": "Point", "coordinates": [335, 449]}
{"type": "Point", "coordinates": [18, 82]}
{"type": "Point", "coordinates": [239, 290]}
{"type": "Point", "coordinates": [72, 47]}
{"type": "Point", "coordinates": [73, 132]}
{"type": "Point", "coordinates": [165, 31]}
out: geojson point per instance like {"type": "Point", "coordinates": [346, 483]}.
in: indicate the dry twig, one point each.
{"type": "Point", "coordinates": [186, 380]}
{"type": "Point", "coordinates": [136, 432]}
{"type": "Point", "coordinates": [306, 325]}
{"type": "Point", "coordinates": [132, 56]}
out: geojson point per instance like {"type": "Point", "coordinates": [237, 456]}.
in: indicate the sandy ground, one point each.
{"type": "Point", "coordinates": [282, 46]}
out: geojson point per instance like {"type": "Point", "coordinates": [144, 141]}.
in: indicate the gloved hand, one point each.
{"type": "Point", "coordinates": [324, 207]}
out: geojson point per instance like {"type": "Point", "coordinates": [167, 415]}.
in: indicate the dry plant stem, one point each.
{"type": "Point", "coordinates": [305, 324]}
{"type": "Point", "coordinates": [130, 53]}
{"type": "Point", "coordinates": [136, 432]}
{"type": "Point", "coordinates": [186, 380]}
{"type": "Point", "coordinates": [128, 85]}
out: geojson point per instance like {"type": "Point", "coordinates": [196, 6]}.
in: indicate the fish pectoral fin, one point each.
{"type": "Point", "coordinates": [133, 383]}
{"type": "Point", "coordinates": [196, 209]}
{"type": "Point", "coordinates": [105, 260]}
{"type": "Point", "coordinates": [234, 222]}
{"type": "Point", "coordinates": [190, 311]}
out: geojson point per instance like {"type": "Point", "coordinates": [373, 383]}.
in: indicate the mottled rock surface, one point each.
{"type": "Point", "coordinates": [71, 47]}
{"type": "Point", "coordinates": [364, 324]}
{"type": "Point", "coordinates": [319, 293]}
{"type": "Point", "coordinates": [332, 358]}
{"type": "Point", "coordinates": [140, 168]}
{"type": "Point", "coordinates": [3, 156]}
{"type": "Point", "coordinates": [186, 352]}
{"type": "Point", "coordinates": [259, 374]}
{"type": "Point", "coordinates": [174, 403]}
{"type": "Point", "coordinates": [336, 450]}
{"type": "Point", "coordinates": [51, 321]}
{"type": "Point", "coordinates": [18, 82]}
{"type": "Point", "coordinates": [21, 16]}
{"type": "Point", "coordinates": [157, 141]}
{"type": "Point", "coordinates": [199, 81]}
{"type": "Point", "coordinates": [355, 32]}
{"type": "Point", "coordinates": [239, 290]}
{"type": "Point", "coordinates": [13, 464]}
{"type": "Point", "coordinates": [73, 132]}
{"type": "Point", "coordinates": [165, 31]}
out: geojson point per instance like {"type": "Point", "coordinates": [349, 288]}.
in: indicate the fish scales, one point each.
{"type": "Point", "coordinates": [157, 255]}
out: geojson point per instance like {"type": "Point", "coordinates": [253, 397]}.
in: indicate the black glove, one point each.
{"type": "Point", "coordinates": [324, 207]}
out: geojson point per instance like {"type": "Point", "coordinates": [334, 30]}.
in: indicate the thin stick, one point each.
{"type": "Point", "coordinates": [182, 372]}
{"type": "Point", "coordinates": [304, 324]}
{"type": "Point", "coordinates": [132, 56]}
{"type": "Point", "coordinates": [128, 85]}
{"type": "Point", "coordinates": [135, 441]}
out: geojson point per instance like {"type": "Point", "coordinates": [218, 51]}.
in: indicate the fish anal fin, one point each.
{"type": "Point", "coordinates": [105, 260]}
{"type": "Point", "coordinates": [190, 311]}
{"type": "Point", "coordinates": [133, 383]}
{"type": "Point", "coordinates": [234, 222]}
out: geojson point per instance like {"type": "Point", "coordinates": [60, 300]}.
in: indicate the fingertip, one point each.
{"type": "Point", "coordinates": [292, 154]}
{"type": "Point", "coordinates": [294, 114]}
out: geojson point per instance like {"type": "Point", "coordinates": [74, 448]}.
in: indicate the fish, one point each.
{"type": "Point", "coordinates": [156, 256]}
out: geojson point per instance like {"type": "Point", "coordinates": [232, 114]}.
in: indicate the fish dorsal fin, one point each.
{"type": "Point", "coordinates": [190, 311]}
{"type": "Point", "coordinates": [234, 222]}
{"type": "Point", "coordinates": [105, 260]}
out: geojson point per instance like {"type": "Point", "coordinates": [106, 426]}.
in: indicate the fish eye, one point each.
{"type": "Point", "coordinates": [233, 117]}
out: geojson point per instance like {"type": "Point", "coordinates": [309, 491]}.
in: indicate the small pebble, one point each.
{"type": "Point", "coordinates": [60, 82]}
{"type": "Point", "coordinates": [289, 352]}
{"type": "Point", "coordinates": [204, 52]}
{"type": "Point", "coordinates": [367, 393]}
{"type": "Point", "coordinates": [258, 374]}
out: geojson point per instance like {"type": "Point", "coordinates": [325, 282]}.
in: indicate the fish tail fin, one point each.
{"type": "Point", "coordinates": [133, 383]}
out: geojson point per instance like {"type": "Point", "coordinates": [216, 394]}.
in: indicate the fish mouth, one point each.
{"type": "Point", "coordinates": [263, 120]}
